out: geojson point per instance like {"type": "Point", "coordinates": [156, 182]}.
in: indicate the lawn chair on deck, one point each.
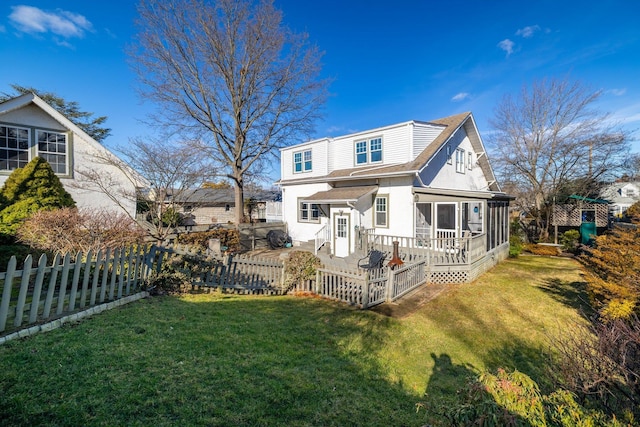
{"type": "Point", "coordinates": [373, 260]}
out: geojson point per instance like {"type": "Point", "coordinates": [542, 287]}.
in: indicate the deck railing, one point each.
{"type": "Point", "coordinates": [436, 250]}
{"type": "Point", "coordinates": [322, 236]}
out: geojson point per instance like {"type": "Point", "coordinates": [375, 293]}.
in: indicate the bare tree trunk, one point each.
{"type": "Point", "coordinates": [232, 77]}
{"type": "Point", "coordinates": [239, 200]}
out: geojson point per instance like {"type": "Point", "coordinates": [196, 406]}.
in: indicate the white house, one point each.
{"type": "Point", "coordinates": [427, 184]}
{"type": "Point", "coordinates": [621, 195]}
{"type": "Point", "coordinates": [30, 127]}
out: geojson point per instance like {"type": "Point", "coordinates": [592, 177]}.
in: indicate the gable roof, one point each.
{"type": "Point", "coordinates": [31, 98]}
{"type": "Point", "coordinates": [24, 100]}
{"type": "Point", "coordinates": [451, 125]}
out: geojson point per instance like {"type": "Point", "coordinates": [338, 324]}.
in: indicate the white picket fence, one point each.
{"type": "Point", "coordinates": [48, 291]}
{"type": "Point", "coordinates": [69, 284]}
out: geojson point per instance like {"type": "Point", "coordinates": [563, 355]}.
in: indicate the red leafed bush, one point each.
{"type": "Point", "coordinates": [72, 230]}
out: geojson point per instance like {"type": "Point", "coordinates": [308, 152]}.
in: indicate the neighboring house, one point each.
{"type": "Point", "coordinates": [621, 195]}
{"type": "Point", "coordinates": [426, 184]}
{"type": "Point", "coordinates": [30, 127]}
{"type": "Point", "coordinates": [206, 206]}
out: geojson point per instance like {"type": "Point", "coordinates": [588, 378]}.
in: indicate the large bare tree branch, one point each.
{"type": "Point", "coordinates": [550, 136]}
{"type": "Point", "coordinates": [230, 75]}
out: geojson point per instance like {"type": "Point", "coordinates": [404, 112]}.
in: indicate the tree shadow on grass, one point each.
{"type": "Point", "coordinates": [521, 356]}
{"type": "Point", "coordinates": [455, 397]}
{"type": "Point", "coordinates": [571, 294]}
{"type": "Point", "coordinates": [228, 361]}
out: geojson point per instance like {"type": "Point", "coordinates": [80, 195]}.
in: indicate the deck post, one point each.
{"type": "Point", "coordinates": [365, 291]}
{"type": "Point", "coordinates": [389, 290]}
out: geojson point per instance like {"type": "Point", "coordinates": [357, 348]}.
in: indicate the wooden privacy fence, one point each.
{"type": "Point", "coordinates": [233, 272]}
{"type": "Point", "coordinates": [70, 284]}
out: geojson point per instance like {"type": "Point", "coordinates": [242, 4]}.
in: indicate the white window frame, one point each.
{"type": "Point", "coordinates": [378, 142]}
{"type": "Point", "coordinates": [5, 146]}
{"type": "Point", "coordinates": [49, 155]}
{"type": "Point", "coordinates": [460, 156]}
{"type": "Point", "coordinates": [376, 224]}
{"type": "Point", "coordinates": [303, 161]}
{"type": "Point", "coordinates": [449, 156]}
{"type": "Point", "coordinates": [470, 160]}
{"type": "Point", "coordinates": [366, 147]}
{"type": "Point", "coordinates": [310, 208]}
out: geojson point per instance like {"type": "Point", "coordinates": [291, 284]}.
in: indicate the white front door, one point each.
{"type": "Point", "coordinates": [341, 236]}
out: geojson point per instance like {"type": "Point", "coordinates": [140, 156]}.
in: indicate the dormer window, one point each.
{"type": "Point", "coordinates": [302, 161]}
{"type": "Point", "coordinates": [368, 151]}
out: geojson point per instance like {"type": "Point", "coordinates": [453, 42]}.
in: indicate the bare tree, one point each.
{"type": "Point", "coordinates": [162, 172]}
{"type": "Point", "coordinates": [551, 137]}
{"type": "Point", "coordinates": [229, 73]}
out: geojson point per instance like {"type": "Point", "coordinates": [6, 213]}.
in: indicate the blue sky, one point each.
{"type": "Point", "coordinates": [389, 61]}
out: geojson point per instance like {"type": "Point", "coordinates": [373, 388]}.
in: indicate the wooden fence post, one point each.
{"type": "Point", "coordinates": [74, 281]}
{"type": "Point", "coordinates": [365, 291]}
{"type": "Point", "coordinates": [24, 285]}
{"type": "Point", "coordinates": [6, 292]}
{"type": "Point", "coordinates": [85, 280]}
{"type": "Point", "coordinates": [37, 289]}
{"type": "Point", "coordinates": [53, 279]}
{"type": "Point", "coordinates": [389, 290]}
{"type": "Point", "coordinates": [283, 273]}
{"type": "Point", "coordinates": [63, 283]}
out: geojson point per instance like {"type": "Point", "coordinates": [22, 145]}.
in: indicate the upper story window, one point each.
{"type": "Point", "coordinates": [302, 161]}
{"type": "Point", "coordinates": [368, 151]}
{"type": "Point", "coordinates": [14, 147]}
{"type": "Point", "coordinates": [469, 160]}
{"type": "Point", "coordinates": [52, 147]}
{"type": "Point", "coordinates": [459, 160]}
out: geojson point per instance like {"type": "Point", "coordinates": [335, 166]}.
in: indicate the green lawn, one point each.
{"type": "Point", "coordinates": [237, 360]}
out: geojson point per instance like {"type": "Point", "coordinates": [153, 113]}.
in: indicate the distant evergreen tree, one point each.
{"type": "Point", "coordinates": [93, 126]}
{"type": "Point", "coordinates": [28, 190]}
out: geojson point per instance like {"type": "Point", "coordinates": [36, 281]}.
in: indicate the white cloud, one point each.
{"type": "Point", "coordinates": [617, 92]}
{"type": "Point", "coordinates": [527, 32]}
{"type": "Point", "coordinates": [460, 96]}
{"type": "Point", "coordinates": [2, 29]}
{"type": "Point", "coordinates": [507, 46]}
{"type": "Point", "coordinates": [62, 23]}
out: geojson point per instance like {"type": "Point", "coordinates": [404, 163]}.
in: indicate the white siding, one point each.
{"type": "Point", "coordinates": [300, 231]}
{"type": "Point", "coordinates": [396, 147]}
{"type": "Point", "coordinates": [423, 135]}
{"type": "Point", "coordinates": [448, 177]}
{"type": "Point", "coordinates": [400, 207]}
{"type": "Point", "coordinates": [87, 195]}
{"type": "Point", "coordinates": [319, 154]}
{"type": "Point", "coordinates": [83, 155]}
{"type": "Point", "coordinates": [32, 116]}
